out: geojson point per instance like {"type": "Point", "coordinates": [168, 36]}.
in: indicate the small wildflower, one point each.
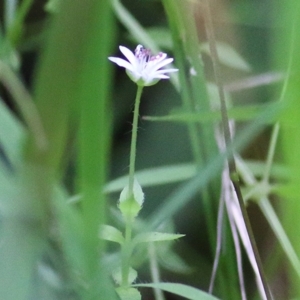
{"type": "Point", "coordinates": [143, 68]}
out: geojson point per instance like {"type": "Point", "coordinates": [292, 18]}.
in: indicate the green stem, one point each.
{"type": "Point", "coordinates": [126, 247]}
{"type": "Point", "coordinates": [271, 153]}
{"type": "Point", "coordinates": [126, 253]}
{"type": "Point", "coordinates": [15, 30]}
{"type": "Point", "coordinates": [133, 139]}
{"type": "Point", "coordinates": [25, 104]}
{"type": "Point", "coordinates": [158, 294]}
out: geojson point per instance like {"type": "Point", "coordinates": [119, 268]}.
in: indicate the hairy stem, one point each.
{"type": "Point", "coordinates": [126, 253]}
{"type": "Point", "coordinates": [134, 139]}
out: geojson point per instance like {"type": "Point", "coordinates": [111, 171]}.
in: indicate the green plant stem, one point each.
{"type": "Point", "coordinates": [271, 153]}
{"type": "Point", "coordinates": [25, 104]}
{"type": "Point", "coordinates": [126, 253]}
{"type": "Point", "coordinates": [16, 28]}
{"type": "Point", "coordinates": [227, 137]}
{"type": "Point", "coordinates": [134, 139]}
{"type": "Point", "coordinates": [158, 294]}
{"type": "Point", "coordinates": [126, 247]}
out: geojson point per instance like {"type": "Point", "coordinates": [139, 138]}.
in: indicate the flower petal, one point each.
{"type": "Point", "coordinates": [158, 65]}
{"type": "Point", "coordinates": [129, 55]}
{"type": "Point", "coordinates": [162, 71]}
{"type": "Point", "coordinates": [122, 63]}
{"type": "Point", "coordinates": [156, 60]}
{"type": "Point", "coordinates": [163, 63]}
{"type": "Point", "coordinates": [161, 76]}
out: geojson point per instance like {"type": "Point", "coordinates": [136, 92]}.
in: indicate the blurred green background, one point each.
{"type": "Point", "coordinates": [85, 106]}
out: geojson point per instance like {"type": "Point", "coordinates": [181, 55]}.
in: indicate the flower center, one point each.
{"type": "Point", "coordinates": [144, 55]}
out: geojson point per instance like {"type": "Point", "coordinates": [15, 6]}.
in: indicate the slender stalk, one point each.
{"type": "Point", "coordinates": [16, 26]}
{"type": "Point", "coordinates": [271, 153]}
{"type": "Point", "coordinates": [126, 247]}
{"type": "Point", "coordinates": [134, 139]}
{"type": "Point", "coordinates": [158, 294]}
{"type": "Point", "coordinates": [24, 103]}
{"type": "Point", "coordinates": [227, 136]}
{"type": "Point", "coordinates": [126, 253]}
{"type": "Point", "coordinates": [219, 244]}
{"type": "Point", "coordinates": [237, 246]}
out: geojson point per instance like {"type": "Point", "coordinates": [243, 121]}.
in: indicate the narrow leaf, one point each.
{"type": "Point", "coordinates": [155, 176]}
{"type": "Point", "coordinates": [240, 113]}
{"type": "Point", "coordinates": [110, 233]}
{"type": "Point", "coordinates": [156, 237]}
{"type": "Point", "coordinates": [11, 134]}
{"type": "Point", "coordinates": [181, 290]}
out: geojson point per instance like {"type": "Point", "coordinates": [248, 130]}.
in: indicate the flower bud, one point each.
{"type": "Point", "coordinates": [130, 203]}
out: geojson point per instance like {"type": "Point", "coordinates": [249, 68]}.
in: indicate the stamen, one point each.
{"type": "Point", "coordinates": [154, 57]}
{"type": "Point", "coordinates": [142, 53]}
{"type": "Point", "coordinates": [138, 50]}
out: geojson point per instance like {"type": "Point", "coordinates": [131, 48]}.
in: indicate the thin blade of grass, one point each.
{"type": "Point", "coordinates": [94, 135]}
{"type": "Point", "coordinates": [290, 125]}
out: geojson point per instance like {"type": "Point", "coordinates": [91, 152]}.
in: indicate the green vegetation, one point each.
{"type": "Point", "coordinates": [214, 152]}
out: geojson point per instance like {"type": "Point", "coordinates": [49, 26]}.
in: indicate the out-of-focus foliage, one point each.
{"type": "Point", "coordinates": [65, 120]}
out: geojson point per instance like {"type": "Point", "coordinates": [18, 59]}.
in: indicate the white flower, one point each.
{"type": "Point", "coordinates": [143, 68]}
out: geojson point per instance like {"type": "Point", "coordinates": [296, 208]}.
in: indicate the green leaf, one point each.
{"type": "Point", "coordinates": [9, 55]}
{"type": "Point", "coordinates": [290, 130]}
{"type": "Point", "coordinates": [110, 233]}
{"type": "Point", "coordinates": [155, 176]}
{"type": "Point", "coordinates": [278, 171]}
{"type": "Point", "coordinates": [156, 237]}
{"type": "Point", "coordinates": [11, 134]}
{"type": "Point", "coordinates": [228, 56]}
{"type": "Point", "coordinates": [128, 293]}
{"type": "Point", "coordinates": [129, 208]}
{"type": "Point", "coordinates": [180, 290]}
{"type": "Point", "coordinates": [181, 172]}
{"type": "Point", "coordinates": [117, 276]}
{"type": "Point", "coordinates": [239, 113]}
{"type": "Point", "coordinates": [65, 99]}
